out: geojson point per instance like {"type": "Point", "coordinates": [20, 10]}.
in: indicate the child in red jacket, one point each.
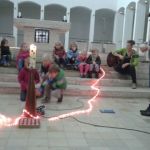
{"type": "Point", "coordinates": [59, 55]}
{"type": "Point", "coordinates": [23, 78]}
{"type": "Point", "coordinates": [22, 55]}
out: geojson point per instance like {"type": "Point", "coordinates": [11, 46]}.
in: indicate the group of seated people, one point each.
{"type": "Point", "coordinates": [73, 59]}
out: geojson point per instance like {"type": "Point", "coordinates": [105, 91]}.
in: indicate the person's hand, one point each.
{"type": "Point", "coordinates": [125, 65]}
{"type": "Point", "coordinates": [94, 62]}
{"type": "Point", "coordinates": [120, 57]}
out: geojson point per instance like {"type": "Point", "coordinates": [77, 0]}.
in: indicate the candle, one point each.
{"type": "Point", "coordinates": [33, 50]}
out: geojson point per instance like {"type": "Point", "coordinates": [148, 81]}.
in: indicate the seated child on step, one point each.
{"type": "Point", "coordinates": [5, 53]}
{"type": "Point", "coordinates": [72, 55]}
{"type": "Point", "coordinates": [83, 66]}
{"type": "Point", "coordinates": [94, 61]}
{"type": "Point", "coordinates": [22, 55]}
{"type": "Point", "coordinates": [56, 84]}
{"type": "Point", "coordinates": [59, 55]}
{"type": "Point", "coordinates": [23, 78]}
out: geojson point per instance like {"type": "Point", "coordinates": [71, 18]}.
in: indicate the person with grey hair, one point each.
{"type": "Point", "coordinates": [145, 48]}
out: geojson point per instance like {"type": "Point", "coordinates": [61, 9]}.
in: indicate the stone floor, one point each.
{"type": "Point", "coordinates": [69, 134]}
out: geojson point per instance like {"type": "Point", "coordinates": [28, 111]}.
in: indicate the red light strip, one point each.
{"type": "Point", "coordinates": [8, 122]}
{"type": "Point", "coordinates": [90, 108]}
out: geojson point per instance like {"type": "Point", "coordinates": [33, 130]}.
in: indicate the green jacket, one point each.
{"type": "Point", "coordinates": [60, 81]}
{"type": "Point", "coordinates": [134, 58]}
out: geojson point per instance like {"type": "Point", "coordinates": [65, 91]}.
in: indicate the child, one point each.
{"type": "Point", "coordinates": [46, 64]}
{"type": "Point", "coordinates": [94, 61]}
{"type": "Point", "coordinates": [72, 54]}
{"type": "Point", "coordinates": [56, 83]}
{"type": "Point", "coordinates": [83, 66]}
{"type": "Point", "coordinates": [22, 55]}
{"type": "Point", "coordinates": [5, 53]}
{"type": "Point", "coordinates": [23, 78]}
{"type": "Point", "coordinates": [59, 55]}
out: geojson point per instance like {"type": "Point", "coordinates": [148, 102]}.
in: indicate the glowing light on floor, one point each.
{"type": "Point", "coordinates": [9, 122]}
{"type": "Point", "coordinates": [89, 109]}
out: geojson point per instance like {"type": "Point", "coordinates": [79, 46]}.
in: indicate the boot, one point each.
{"type": "Point", "coordinates": [60, 99]}
{"type": "Point", "coordinates": [134, 86]}
{"type": "Point", "coordinates": [47, 94]}
{"type": "Point", "coordinates": [45, 100]}
{"type": "Point", "coordinates": [145, 112]}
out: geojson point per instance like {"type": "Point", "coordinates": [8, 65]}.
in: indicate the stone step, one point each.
{"type": "Point", "coordinates": [109, 71]}
{"type": "Point", "coordinates": [78, 81]}
{"type": "Point", "coordinates": [74, 90]}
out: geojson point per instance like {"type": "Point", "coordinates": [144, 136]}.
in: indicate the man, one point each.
{"type": "Point", "coordinates": [145, 48]}
{"type": "Point", "coordinates": [128, 60]}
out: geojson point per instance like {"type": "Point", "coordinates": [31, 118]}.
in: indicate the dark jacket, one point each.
{"type": "Point", "coordinates": [5, 50]}
{"type": "Point", "coordinates": [89, 60]}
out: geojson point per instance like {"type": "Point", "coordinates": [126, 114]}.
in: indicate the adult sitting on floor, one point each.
{"type": "Point", "coordinates": [128, 60]}
{"type": "Point", "coordinates": [145, 48]}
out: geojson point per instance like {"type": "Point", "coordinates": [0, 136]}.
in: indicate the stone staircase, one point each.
{"type": "Point", "coordinates": [113, 85]}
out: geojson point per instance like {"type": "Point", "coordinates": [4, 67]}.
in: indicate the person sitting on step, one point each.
{"type": "Point", "coordinates": [5, 53]}
{"type": "Point", "coordinates": [59, 55]}
{"type": "Point", "coordinates": [23, 78]}
{"type": "Point", "coordinates": [72, 56]}
{"type": "Point", "coordinates": [129, 59]}
{"type": "Point", "coordinates": [83, 66]}
{"type": "Point", "coordinates": [22, 55]}
{"type": "Point", "coordinates": [56, 84]}
{"type": "Point", "coordinates": [94, 61]}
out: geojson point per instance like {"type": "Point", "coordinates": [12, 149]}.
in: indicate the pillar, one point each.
{"type": "Point", "coordinates": [67, 33]}
{"type": "Point", "coordinates": [15, 31]}
{"type": "Point", "coordinates": [128, 26]}
{"type": "Point", "coordinates": [92, 26]}
{"type": "Point", "coordinates": [42, 12]}
{"type": "Point", "coordinates": [118, 29]}
{"type": "Point", "coordinates": [139, 23]}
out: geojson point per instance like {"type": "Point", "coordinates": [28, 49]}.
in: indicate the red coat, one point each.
{"type": "Point", "coordinates": [23, 78]}
{"type": "Point", "coordinates": [22, 55]}
{"type": "Point", "coordinates": [82, 59]}
{"type": "Point", "coordinates": [60, 53]}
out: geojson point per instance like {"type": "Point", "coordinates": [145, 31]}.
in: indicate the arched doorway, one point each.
{"type": "Point", "coordinates": [104, 25]}
{"type": "Point", "coordinates": [80, 24]}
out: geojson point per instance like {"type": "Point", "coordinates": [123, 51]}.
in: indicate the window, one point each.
{"type": "Point", "coordinates": [41, 36]}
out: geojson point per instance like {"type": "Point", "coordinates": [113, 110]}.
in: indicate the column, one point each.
{"type": "Point", "coordinates": [118, 29]}
{"type": "Point", "coordinates": [128, 26]}
{"type": "Point", "coordinates": [139, 22]}
{"type": "Point", "coordinates": [148, 37]}
{"type": "Point", "coordinates": [67, 33]}
{"type": "Point", "coordinates": [15, 30]}
{"type": "Point", "coordinates": [42, 13]}
{"type": "Point", "coordinates": [92, 27]}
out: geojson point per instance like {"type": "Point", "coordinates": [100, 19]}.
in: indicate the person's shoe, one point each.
{"type": "Point", "coordinates": [145, 112]}
{"type": "Point", "coordinates": [81, 76]}
{"type": "Point", "coordinates": [134, 86]}
{"type": "Point", "coordinates": [60, 99]}
{"type": "Point", "coordinates": [45, 100]}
